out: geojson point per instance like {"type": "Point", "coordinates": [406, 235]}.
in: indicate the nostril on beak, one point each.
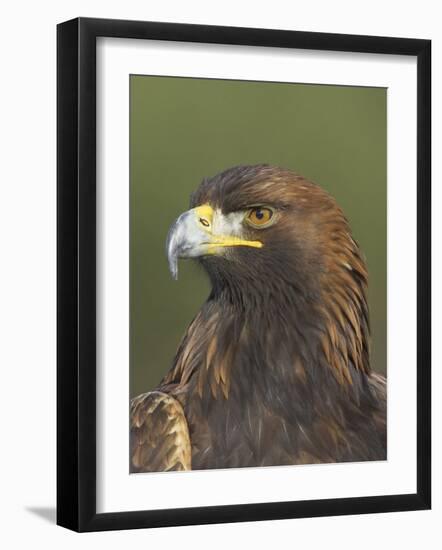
{"type": "Point", "coordinates": [204, 222]}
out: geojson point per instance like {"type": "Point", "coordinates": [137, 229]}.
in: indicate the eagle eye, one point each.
{"type": "Point", "coordinates": [259, 216]}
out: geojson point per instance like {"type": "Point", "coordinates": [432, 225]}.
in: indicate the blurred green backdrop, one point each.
{"type": "Point", "coordinates": [183, 129]}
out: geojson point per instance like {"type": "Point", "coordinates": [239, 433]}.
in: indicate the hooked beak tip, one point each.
{"type": "Point", "coordinates": [172, 258]}
{"type": "Point", "coordinates": [173, 268]}
{"type": "Point", "coordinates": [172, 252]}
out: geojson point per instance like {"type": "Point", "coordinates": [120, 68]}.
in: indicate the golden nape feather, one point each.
{"type": "Point", "coordinates": [275, 368]}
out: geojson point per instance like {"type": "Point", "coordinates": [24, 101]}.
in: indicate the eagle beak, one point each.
{"type": "Point", "coordinates": [199, 232]}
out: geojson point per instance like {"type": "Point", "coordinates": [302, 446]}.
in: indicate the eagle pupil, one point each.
{"type": "Point", "coordinates": [259, 214]}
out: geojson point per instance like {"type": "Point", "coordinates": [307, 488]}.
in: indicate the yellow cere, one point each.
{"type": "Point", "coordinates": [204, 215]}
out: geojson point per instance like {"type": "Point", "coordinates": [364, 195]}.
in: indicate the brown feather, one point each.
{"type": "Point", "coordinates": [159, 434]}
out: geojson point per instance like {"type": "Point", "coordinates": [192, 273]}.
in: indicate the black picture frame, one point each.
{"type": "Point", "coordinates": [76, 273]}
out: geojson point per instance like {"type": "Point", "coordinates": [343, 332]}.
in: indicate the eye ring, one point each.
{"type": "Point", "coordinates": [260, 217]}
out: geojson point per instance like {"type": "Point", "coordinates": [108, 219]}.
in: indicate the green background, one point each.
{"type": "Point", "coordinates": [183, 129]}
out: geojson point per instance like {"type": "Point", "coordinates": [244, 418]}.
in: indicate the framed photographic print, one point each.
{"type": "Point", "coordinates": [243, 274]}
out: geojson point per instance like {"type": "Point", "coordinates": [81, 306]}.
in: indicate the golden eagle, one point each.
{"type": "Point", "coordinates": [275, 367]}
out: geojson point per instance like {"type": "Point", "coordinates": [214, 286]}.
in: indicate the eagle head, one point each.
{"type": "Point", "coordinates": [264, 230]}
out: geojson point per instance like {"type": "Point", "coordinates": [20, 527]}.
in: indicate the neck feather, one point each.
{"type": "Point", "coordinates": [292, 337]}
